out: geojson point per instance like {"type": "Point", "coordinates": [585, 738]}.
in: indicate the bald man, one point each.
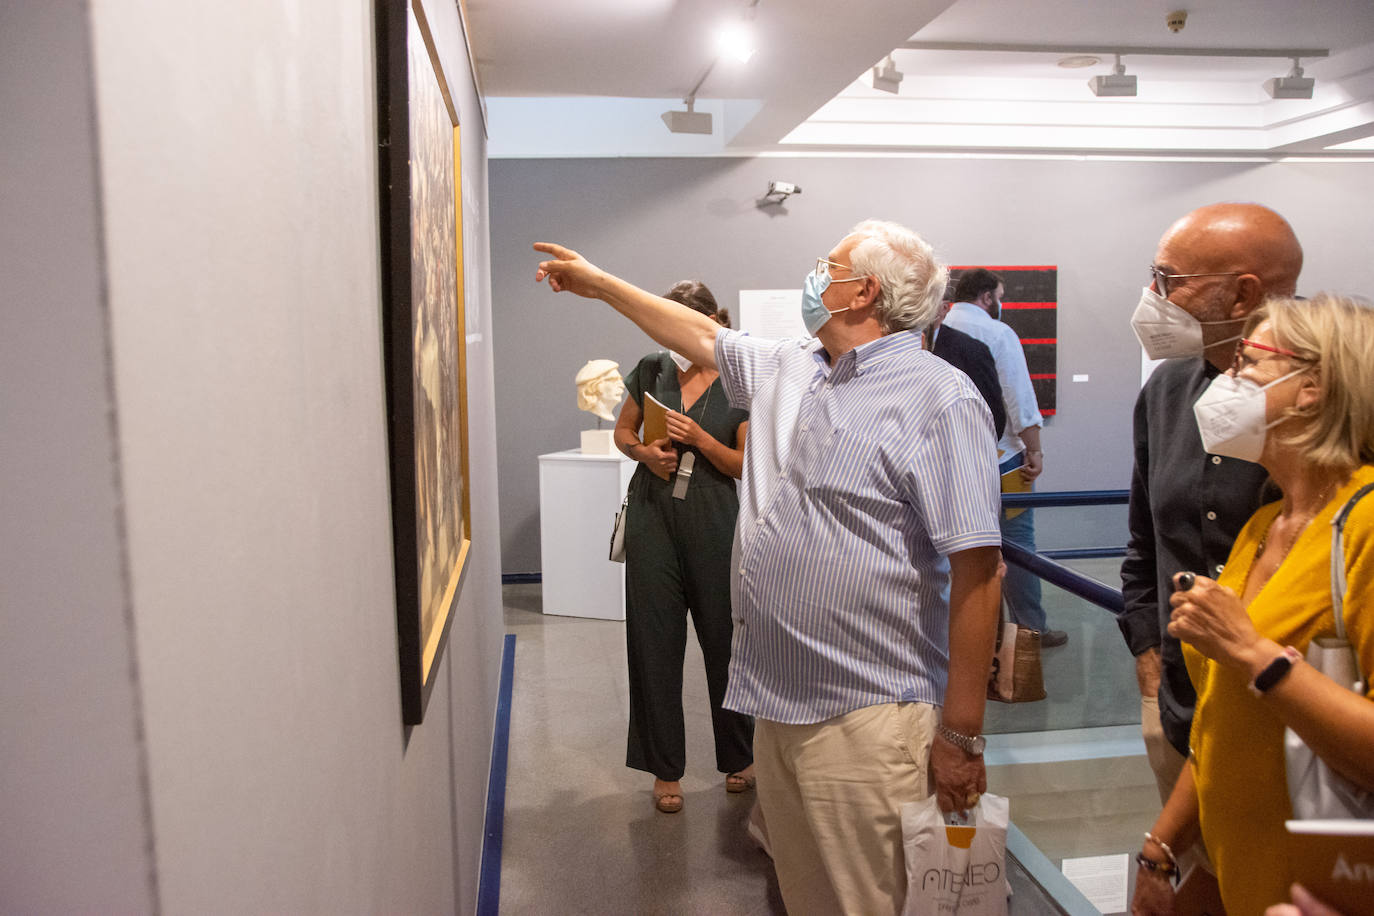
{"type": "Point", "coordinates": [1212, 268]}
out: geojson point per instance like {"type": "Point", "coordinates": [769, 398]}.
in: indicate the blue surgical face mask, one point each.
{"type": "Point", "coordinates": [814, 312]}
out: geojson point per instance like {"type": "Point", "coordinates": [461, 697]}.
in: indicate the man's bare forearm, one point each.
{"type": "Point", "coordinates": [672, 325]}
{"type": "Point", "coordinates": [669, 323]}
{"type": "Point", "coordinates": [974, 596]}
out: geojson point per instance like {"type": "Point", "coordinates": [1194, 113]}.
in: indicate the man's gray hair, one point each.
{"type": "Point", "coordinates": [912, 280]}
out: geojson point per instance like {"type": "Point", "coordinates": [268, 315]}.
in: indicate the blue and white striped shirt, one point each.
{"type": "Point", "coordinates": [859, 479]}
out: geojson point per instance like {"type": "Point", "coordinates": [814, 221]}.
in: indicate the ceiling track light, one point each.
{"type": "Point", "coordinates": [689, 121]}
{"type": "Point", "coordinates": [1292, 86]}
{"type": "Point", "coordinates": [887, 78]}
{"type": "Point", "coordinates": [737, 43]}
{"type": "Point", "coordinates": [1116, 84]}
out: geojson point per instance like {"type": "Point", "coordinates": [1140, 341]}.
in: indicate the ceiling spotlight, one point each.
{"type": "Point", "coordinates": [1292, 86]}
{"type": "Point", "coordinates": [736, 41]}
{"type": "Point", "coordinates": [1079, 61]}
{"type": "Point", "coordinates": [689, 121]}
{"type": "Point", "coordinates": [1116, 83]}
{"type": "Point", "coordinates": [887, 77]}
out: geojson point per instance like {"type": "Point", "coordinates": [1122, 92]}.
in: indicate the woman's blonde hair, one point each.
{"type": "Point", "coordinates": [1335, 334]}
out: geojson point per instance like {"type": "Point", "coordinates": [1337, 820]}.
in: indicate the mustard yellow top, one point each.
{"type": "Point", "coordinates": [1237, 741]}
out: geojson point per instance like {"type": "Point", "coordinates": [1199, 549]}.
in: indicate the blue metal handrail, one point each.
{"type": "Point", "coordinates": [1083, 553]}
{"type": "Point", "coordinates": [1072, 582]}
{"type": "Point", "coordinates": [1057, 574]}
{"type": "Point", "coordinates": [1066, 498]}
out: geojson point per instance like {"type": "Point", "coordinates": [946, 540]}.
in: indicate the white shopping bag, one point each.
{"type": "Point", "coordinates": [956, 869]}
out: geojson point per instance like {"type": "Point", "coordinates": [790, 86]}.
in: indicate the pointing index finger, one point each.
{"type": "Point", "coordinates": [558, 251]}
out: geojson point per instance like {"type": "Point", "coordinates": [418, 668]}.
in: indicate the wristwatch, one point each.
{"type": "Point", "coordinates": [970, 744]}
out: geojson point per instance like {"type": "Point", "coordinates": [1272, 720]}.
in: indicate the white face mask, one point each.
{"type": "Point", "coordinates": [1167, 331]}
{"type": "Point", "coordinates": [682, 362]}
{"type": "Point", "coordinates": [1230, 416]}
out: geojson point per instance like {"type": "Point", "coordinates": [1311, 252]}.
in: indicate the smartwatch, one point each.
{"type": "Point", "coordinates": [1275, 671]}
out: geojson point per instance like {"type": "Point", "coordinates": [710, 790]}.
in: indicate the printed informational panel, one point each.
{"type": "Point", "coordinates": [1030, 304]}
{"type": "Point", "coordinates": [771, 313]}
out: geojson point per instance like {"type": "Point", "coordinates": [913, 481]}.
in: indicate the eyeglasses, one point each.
{"type": "Point", "coordinates": [823, 266]}
{"type": "Point", "coordinates": [1243, 362]}
{"type": "Point", "coordinates": [1161, 278]}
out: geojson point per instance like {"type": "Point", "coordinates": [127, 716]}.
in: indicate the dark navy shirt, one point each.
{"type": "Point", "coordinates": [1186, 509]}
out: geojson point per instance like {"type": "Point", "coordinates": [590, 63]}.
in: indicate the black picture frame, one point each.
{"type": "Point", "coordinates": [1030, 305]}
{"type": "Point", "coordinates": [423, 339]}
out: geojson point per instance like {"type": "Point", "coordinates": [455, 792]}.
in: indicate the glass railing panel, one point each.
{"type": "Point", "coordinates": [1073, 765]}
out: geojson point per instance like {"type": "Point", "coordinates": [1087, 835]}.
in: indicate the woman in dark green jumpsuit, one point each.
{"type": "Point", "coordinates": [677, 557]}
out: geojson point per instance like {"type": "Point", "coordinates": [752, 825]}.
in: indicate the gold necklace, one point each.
{"type": "Point", "coordinates": [1306, 519]}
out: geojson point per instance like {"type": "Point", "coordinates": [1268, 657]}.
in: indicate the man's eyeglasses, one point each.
{"type": "Point", "coordinates": [1161, 277]}
{"type": "Point", "coordinates": [823, 266]}
{"type": "Point", "coordinates": [1243, 362]}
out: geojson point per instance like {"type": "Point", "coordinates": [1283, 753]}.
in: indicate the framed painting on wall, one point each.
{"type": "Point", "coordinates": [419, 159]}
{"type": "Point", "coordinates": [1030, 305]}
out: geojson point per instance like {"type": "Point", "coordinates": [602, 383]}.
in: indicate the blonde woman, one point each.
{"type": "Point", "coordinates": [1299, 400]}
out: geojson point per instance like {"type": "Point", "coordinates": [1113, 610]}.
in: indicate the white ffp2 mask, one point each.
{"type": "Point", "coordinates": [1230, 416]}
{"type": "Point", "coordinates": [1167, 331]}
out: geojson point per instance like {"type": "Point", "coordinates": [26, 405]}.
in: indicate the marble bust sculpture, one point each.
{"type": "Point", "coordinates": [600, 388]}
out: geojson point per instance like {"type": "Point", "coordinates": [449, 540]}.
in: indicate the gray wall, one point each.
{"type": "Point", "coordinates": [75, 837]}
{"type": "Point", "coordinates": [655, 221]}
{"type": "Point", "coordinates": [199, 667]}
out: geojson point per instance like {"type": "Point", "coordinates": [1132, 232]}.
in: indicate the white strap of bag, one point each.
{"type": "Point", "coordinates": [1339, 583]}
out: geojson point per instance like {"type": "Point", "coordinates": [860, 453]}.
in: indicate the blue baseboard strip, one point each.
{"type": "Point", "coordinates": [521, 578]}
{"type": "Point", "coordinates": [489, 882]}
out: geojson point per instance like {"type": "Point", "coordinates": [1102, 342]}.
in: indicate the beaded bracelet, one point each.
{"type": "Point", "coordinates": [1169, 872]}
{"type": "Point", "coordinates": [1173, 860]}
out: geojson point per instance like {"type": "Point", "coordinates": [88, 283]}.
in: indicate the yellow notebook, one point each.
{"type": "Point", "coordinates": [655, 419]}
{"type": "Point", "coordinates": [1013, 482]}
{"type": "Point", "coordinates": [1335, 861]}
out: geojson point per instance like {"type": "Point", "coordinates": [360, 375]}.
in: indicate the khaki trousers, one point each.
{"type": "Point", "coordinates": [831, 794]}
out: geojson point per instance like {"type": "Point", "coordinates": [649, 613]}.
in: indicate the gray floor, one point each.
{"type": "Point", "coordinates": [581, 835]}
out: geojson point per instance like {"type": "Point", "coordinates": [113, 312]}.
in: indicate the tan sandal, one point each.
{"type": "Point", "coordinates": [735, 783]}
{"type": "Point", "coordinates": [668, 802]}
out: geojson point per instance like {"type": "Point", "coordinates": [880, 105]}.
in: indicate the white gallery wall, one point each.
{"type": "Point", "coordinates": [656, 221]}
{"type": "Point", "coordinates": [201, 696]}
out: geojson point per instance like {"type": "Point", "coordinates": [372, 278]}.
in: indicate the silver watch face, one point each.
{"type": "Point", "coordinates": [976, 745]}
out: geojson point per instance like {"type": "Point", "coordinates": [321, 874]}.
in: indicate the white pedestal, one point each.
{"type": "Point", "coordinates": [578, 498]}
{"type": "Point", "coordinates": [599, 442]}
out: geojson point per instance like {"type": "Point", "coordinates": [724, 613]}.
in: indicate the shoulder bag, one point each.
{"type": "Point", "coordinates": [1316, 791]}
{"type": "Point", "coordinates": [618, 533]}
{"type": "Point", "coordinates": [1016, 675]}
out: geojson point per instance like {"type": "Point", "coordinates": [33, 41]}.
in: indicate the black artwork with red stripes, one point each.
{"type": "Point", "coordinates": [1030, 304]}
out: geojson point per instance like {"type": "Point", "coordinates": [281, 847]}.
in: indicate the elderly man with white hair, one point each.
{"type": "Point", "coordinates": [864, 573]}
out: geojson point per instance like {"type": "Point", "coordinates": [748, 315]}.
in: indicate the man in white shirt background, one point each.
{"type": "Point", "coordinates": [977, 300]}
